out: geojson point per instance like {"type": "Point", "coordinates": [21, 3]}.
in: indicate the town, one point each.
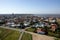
{"type": "Point", "coordinates": [49, 26]}
{"type": "Point", "coordinates": [29, 19]}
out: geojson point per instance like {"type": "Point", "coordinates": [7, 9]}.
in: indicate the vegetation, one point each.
{"type": "Point", "coordinates": [49, 32]}
{"type": "Point", "coordinates": [31, 29]}
{"type": "Point", "coordinates": [2, 22]}
{"type": "Point", "coordinates": [13, 36]}
{"type": "Point", "coordinates": [57, 38]}
{"type": "Point", "coordinates": [6, 34]}
{"type": "Point", "coordinates": [26, 36]}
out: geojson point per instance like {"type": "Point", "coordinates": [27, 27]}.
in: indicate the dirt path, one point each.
{"type": "Point", "coordinates": [41, 37]}
{"type": "Point", "coordinates": [21, 36]}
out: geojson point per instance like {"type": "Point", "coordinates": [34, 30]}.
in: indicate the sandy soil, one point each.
{"type": "Point", "coordinates": [42, 37]}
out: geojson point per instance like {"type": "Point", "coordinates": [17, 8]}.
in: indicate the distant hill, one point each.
{"type": "Point", "coordinates": [41, 15]}
{"type": "Point", "coordinates": [47, 15]}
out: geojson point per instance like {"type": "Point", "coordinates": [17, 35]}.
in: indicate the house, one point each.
{"type": "Point", "coordinates": [58, 20]}
{"type": "Point", "coordinates": [13, 25]}
{"type": "Point", "coordinates": [2, 22]}
{"type": "Point", "coordinates": [40, 24]}
{"type": "Point", "coordinates": [26, 23]}
{"type": "Point", "coordinates": [36, 25]}
{"type": "Point", "coordinates": [53, 27]}
{"type": "Point", "coordinates": [10, 24]}
{"type": "Point", "coordinates": [22, 25]}
{"type": "Point", "coordinates": [40, 31]}
{"type": "Point", "coordinates": [52, 20]}
{"type": "Point", "coordinates": [47, 24]}
{"type": "Point", "coordinates": [46, 19]}
{"type": "Point", "coordinates": [17, 25]}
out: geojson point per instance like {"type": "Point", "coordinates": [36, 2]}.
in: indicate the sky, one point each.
{"type": "Point", "coordinates": [29, 6]}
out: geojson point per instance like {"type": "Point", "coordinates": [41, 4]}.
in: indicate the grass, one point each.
{"type": "Point", "coordinates": [57, 38]}
{"type": "Point", "coordinates": [6, 34]}
{"type": "Point", "coordinates": [50, 33]}
{"type": "Point", "coordinates": [30, 29]}
{"type": "Point", "coordinates": [3, 32]}
{"type": "Point", "coordinates": [26, 36]}
{"type": "Point", "coordinates": [13, 36]}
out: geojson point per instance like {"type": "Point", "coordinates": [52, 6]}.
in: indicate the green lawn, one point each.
{"type": "Point", "coordinates": [6, 34]}
{"type": "Point", "coordinates": [30, 29]}
{"type": "Point", "coordinates": [26, 36]}
{"type": "Point", "coordinates": [13, 36]}
{"type": "Point", "coordinates": [57, 38]}
{"type": "Point", "coordinates": [52, 34]}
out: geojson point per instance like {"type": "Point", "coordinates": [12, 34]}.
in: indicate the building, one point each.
{"type": "Point", "coordinates": [53, 27]}
{"type": "Point", "coordinates": [40, 31]}
{"type": "Point", "coordinates": [40, 24]}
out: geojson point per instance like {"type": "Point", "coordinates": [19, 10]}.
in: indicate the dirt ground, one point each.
{"type": "Point", "coordinates": [42, 37]}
